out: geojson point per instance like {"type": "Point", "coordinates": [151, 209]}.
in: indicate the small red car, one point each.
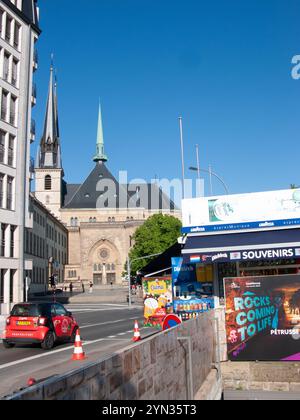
{"type": "Point", "coordinates": [42, 323]}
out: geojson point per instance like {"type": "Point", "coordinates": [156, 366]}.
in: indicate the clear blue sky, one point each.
{"type": "Point", "coordinates": [224, 66]}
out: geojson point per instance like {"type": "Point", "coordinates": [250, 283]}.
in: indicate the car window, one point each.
{"type": "Point", "coordinates": [60, 310]}
{"type": "Point", "coordinates": [53, 312]}
{"type": "Point", "coordinates": [26, 310]}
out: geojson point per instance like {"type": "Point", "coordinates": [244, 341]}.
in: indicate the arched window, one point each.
{"type": "Point", "coordinates": [100, 267]}
{"type": "Point", "coordinates": [108, 267]}
{"type": "Point", "coordinates": [109, 219]}
{"type": "Point", "coordinates": [95, 267]}
{"type": "Point", "coordinates": [91, 220]}
{"type": "Point", "coordinates": [113, 267]}
{"type": "Point", "coordinates": [48, 182]}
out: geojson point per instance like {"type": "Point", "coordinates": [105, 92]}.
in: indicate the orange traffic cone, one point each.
{"type": "Point", "coordinates": [78, 351]}
{"type": "Point", "coordinates": [136, 335]}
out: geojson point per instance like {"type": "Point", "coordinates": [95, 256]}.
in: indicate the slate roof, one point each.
{"type": "Point", "coordinates": [102, 190]}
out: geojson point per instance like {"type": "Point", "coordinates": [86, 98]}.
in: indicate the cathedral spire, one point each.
{"type": "Point", "coordinates": [100, 155]}
{"type": "Point", "coordinates": [49, 155]}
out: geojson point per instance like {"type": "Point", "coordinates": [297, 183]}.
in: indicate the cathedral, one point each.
{"type": "Point", "coordinates": [101, 214]}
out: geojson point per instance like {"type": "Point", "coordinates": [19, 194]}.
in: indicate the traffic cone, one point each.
{"type": "Point", "coordinates": [136, 334]}
{"type": "Point", "coordinates": [78, 351]}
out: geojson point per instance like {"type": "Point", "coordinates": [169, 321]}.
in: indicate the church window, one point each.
{"type": "Point", "coordinates": [108, 267]}
{"type": "Point", "coordinates": [95, 267]}
{"type": "Point", "coordinates": [113, 267]}
{"type": "Point", "coordinates": [48, 182]}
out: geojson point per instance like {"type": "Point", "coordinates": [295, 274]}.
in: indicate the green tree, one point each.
{"type": "Point", "coordinates": [155, 236]}
{"type": "Point", "coordinates": [294, 186]}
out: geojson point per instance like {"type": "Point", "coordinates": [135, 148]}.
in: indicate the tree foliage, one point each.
{"type": "Point", "coordinates": [155, 236]}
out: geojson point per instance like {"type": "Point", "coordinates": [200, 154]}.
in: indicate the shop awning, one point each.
{"type": "Point", "coordinates": [162, 264]}
{"type": "Point", "coordinates": [247, 246]}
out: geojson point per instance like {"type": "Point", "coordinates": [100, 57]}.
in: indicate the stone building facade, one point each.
{"type": "Point", "coordinates": [101, 214]}
{"type": "Point", "coordinates": [46, 245]}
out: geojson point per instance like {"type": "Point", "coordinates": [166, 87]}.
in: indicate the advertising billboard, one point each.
{"type": "Point", "coordinates": [263, 318]}
{"type": "Point", "coordinates": [241, 211]}
{"type": "Point", "coordinates": [157, 293]}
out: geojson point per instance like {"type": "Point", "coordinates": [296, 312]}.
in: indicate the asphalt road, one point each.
{"type": "Point", "coordinates": [103, 328]}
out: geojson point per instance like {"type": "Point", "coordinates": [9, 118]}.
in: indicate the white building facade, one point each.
{"type": "Point", "coordinates": [19, 32]}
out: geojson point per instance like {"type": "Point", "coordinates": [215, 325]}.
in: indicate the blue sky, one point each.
{"type": "Point", "coordinates": [224, 66]}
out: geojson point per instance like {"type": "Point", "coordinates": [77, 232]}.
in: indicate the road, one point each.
{"type": "Point", "coordinates": [103, 328]}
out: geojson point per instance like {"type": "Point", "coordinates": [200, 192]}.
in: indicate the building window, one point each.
{"type": "Point", "coordinates": [6, 67]}
{"type": "Point", "coordinates": [8, 28]}
{"type": "Point", "coordinates": [14, 76]}
{"type": "Point", "coordinates": [13, 110]}
{"type": "Point", "coordinates": [4, 105]}
{"type": "Point", "coordinates": [12, 241]}
{"type": "Point", "coordinates": [11, 285]}
{"type": "Point", "coordinates": [2, 146]}
{"type": "Point", "coordinates": [1, 189]}
{"type": "Point", "coordinates": [17, 35]}
{"type": "Point", "coordinates": [1, 21]}
{"type": "Point", "coordinates": [2, 274]}
{"type": "Point", "coordinates": [2, 243]}
{"type": "Point", "coordinates": [11, 150]}
{"type": "Point", "coordinates": [48, 182]}
{"type": "Point", "coordinates": [9, 198]}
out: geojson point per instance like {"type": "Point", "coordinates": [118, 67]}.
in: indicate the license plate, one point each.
{"type": "Point", "coordinates": [23, 323]}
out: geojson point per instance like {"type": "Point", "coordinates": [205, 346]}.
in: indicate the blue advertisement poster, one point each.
{"type": "Point", "coordinates": [192, 289]}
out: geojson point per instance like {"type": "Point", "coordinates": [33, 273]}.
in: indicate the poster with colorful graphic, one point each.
{"type": "Point", "coordinates": [158, 302]}
{"type": "Point", "coordinates": [263, 318]}
{"type": "Point", "coordinates": [192, 288]}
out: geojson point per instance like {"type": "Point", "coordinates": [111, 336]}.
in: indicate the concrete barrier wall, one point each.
{"type": "Point", "coordinates": [156, 368]}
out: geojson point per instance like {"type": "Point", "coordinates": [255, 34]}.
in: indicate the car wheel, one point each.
{"type": "Point", "coordinates": [7, 345]}
{"type": "Point", "coordinates": [48, 342]}
{"type": "Point", "coordinates": [73, 336]}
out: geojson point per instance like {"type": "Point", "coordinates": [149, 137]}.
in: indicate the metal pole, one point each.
{"type": "Point", "coordinates": [210, 180]}
{"type": "Point", "coordinates": [129, 281]}
{"type": "Point", "coordinates": [182, 156]}
{"type": "Point", "coordinates": [198, 161]}
{"type": "Point", "coordinates": [191, 384]}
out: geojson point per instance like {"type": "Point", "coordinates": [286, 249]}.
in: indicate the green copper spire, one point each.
{"type": "Point", "coordinates": [100, 155]}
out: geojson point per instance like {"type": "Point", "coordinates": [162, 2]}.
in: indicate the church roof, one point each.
{"type": "Point", "coordinates": [102, 190]}
{"type": "Point", "coordinates": [100, 183]}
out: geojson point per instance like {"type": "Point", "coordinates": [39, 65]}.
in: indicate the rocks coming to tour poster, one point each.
{"type": "Point", "coordinates": [263, 318]}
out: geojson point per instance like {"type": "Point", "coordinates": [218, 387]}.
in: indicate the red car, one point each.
{"type": "Point", "coordinates": [42, 323]}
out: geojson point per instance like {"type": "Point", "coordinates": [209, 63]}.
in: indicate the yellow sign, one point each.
{"type": "Point", "coordinates": [157, 287]}
{"type": "Point", "coordinates": [204, 273]}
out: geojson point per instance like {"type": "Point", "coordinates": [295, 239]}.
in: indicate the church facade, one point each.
{"type": "Point", "coordinates": [101, 214]}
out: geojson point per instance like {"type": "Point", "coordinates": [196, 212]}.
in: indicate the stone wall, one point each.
{"type": "Point", "coordinates": [156, 368]}
{"type": "Point", "coordinates": [248, 376]}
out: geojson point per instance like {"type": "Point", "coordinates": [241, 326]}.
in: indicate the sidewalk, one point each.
{"type": "Point", "coordinates": [109, 296]}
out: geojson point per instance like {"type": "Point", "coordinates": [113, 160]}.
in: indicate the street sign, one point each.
{"type": "Point", "coordinates": [171, 321]}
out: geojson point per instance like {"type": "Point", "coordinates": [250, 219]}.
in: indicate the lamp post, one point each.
{"type": "Point", "coordinates": [129, 262]}
{"type": "Point", "coordinates": [210, 172]}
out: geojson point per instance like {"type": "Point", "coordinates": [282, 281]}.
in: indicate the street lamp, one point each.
{"type": "Point", "coordinates": [129, 262]}
{"type": "Point", "coordinates": [210, 172]}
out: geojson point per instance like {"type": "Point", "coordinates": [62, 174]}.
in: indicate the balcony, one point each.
{"type": "Point", "coordinates": [35, 60]}
{"type": "Point", "coordinates": [32, 131]}
{"type": "Point", "coordinates": [33, 94]}
{"type": "Point", "coordinates": [31, 168]}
